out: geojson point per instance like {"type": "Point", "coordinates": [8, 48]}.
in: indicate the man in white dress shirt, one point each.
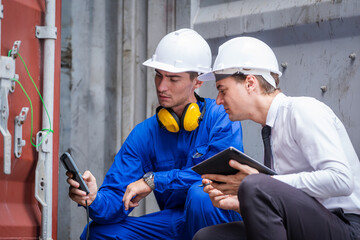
{"type": "Point", "coordinates": [316, 194]}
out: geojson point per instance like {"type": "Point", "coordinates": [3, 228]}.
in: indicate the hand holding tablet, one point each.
{"type": "Point", "coordinates": [219, 163]}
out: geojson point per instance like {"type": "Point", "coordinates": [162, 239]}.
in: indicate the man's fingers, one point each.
{"type": "Point", "coordinates": [135, 200]}
{"type": "Point", "coordinates": [73, 183]}
{"type": "Point", "coordinates": [222, 187]}
{"type": "Point", "coordinates": [129, 194]}
{"type": "Point", "coordinates": [126, 200]}
{"type": "Point", "coordinates": [215, 192]}
{"type": "Point", "coordinates": [205, 181]}
{"type": "Point", "coordinates": [215, 177]}
{"type": "Point", "coordinates": [77, 191]}
{"type": "Point", "coordinates": [69, 174]}
{"type": "Point", "coordinates": [132, 205]}
{"type": "Point", "coordinates": [135, 192]}
{"type": "Point", "coordinates": [242, 167]}
{"type": "Point", "coordinates": [88, 177]}
{"type": "Point", "coordinates": [78, 196]}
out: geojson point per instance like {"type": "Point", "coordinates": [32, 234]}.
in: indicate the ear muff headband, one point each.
{"type": "Point", "coordinates": [190, 118]}
{"type": "Point", "coordinates": [201, 99]}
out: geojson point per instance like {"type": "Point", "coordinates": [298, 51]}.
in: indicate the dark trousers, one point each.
{"type": "Point", "coordinates": [272, 209]}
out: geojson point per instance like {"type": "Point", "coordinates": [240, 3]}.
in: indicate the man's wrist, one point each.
{"type": "Point", "coordinates": [149, 179]}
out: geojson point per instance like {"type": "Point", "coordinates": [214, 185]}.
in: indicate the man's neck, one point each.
{"type": "Point", "coordinates": [263, 106]}
{"type": "Point", "coordinates": [180, 109]}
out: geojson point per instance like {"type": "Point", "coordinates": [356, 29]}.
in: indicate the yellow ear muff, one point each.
{"type": "Point", "coordinates": [190, 119]}
{"type": "Point", "coordinates": [169, 120]}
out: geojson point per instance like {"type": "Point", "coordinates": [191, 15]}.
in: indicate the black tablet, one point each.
{"type": "Point", "coordinates": [70, 166]}
{"type": "Point", "coordinates": [219, 163]}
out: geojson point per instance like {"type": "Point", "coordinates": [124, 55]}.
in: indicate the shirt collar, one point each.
{"type": "Point", "coordinates": [271, 116]}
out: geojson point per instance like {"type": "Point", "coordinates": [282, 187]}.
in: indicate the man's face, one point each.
{"type": "Point", "coordinates": [233, 96]}
{"type": "Point", "coordinates": [174, 90]}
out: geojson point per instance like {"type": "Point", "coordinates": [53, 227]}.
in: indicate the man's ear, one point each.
{"type": "Point", "coordinates": [198, 83]}
{"type": "Point", "coordinates": [251, 83]}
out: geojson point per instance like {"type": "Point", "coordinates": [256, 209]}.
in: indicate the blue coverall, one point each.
{"type": "Point", "coordinates": [185, 208]}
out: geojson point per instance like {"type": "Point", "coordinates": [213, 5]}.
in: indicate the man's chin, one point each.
{"type": "Point", "coordinates": [164, 105]}
{"type": "Point", "coordinates": [163, 102]}
{"type": "Point", "coordinates": [233, 118]}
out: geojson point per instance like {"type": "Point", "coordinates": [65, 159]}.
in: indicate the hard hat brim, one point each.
{"type": "Point", "coordinates": [209, 76]}
{"type": "Point", "coordinates": [212, 76]}
{"type": "Point", "coordinates": [167, 67]}
{"type": "Point", "coordinates": [163, 66]}
{"type": "Point", "coordinates": [217, 75]}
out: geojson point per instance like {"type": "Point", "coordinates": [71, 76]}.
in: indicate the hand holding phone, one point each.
{"type": "Point", "coordinates": [70, 166]}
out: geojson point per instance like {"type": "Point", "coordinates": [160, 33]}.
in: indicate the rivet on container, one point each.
{"type": "Point", "coordinates": [323, 89]}
{"type": "Point", "coordinates": [352, 56]}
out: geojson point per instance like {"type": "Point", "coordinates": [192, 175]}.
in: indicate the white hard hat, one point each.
{"type": "Point", "coordinates": [181, 51]}
{"type": "Point", "coordinates": [246, 55]}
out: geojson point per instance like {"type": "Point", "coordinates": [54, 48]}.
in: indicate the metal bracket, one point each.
{"type": "Point", "coordinates": [7, 149]}
{"type": "Point", "coordinates": [15, 49]}
{"type": "Point", "coordinates": [40, 174]}
{"type": "Point", "coordinates": [46, 32]}
{"type": "Point", "coordinates": [19, 142]}
{"type": "Point", "coordinates": [45, 146]}
{"type": "Point", "coordinates": [7, 73]}
{"type": "Point", "coordinates": [7, 67]}
{"type": "Point", "coordinates": [5, 86]}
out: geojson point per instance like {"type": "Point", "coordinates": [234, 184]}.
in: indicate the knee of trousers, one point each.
{"type": "Point", "coordinates": [197, 201]}
{"type": "Point", "coordinates": [108, 231]}
{"type": "Point", "coordinates": [251, 188]}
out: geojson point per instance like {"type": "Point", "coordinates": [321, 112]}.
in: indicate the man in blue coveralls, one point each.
{"type": "Point", "coordinates": [159, 152]}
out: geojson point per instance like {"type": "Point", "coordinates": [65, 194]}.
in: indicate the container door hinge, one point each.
{"type": "Point", "coordinates": [19, 142]}
{"type": "Point", "coordinates": [7, 74]}
{"type": "Point", "coordinates": [46, 32]}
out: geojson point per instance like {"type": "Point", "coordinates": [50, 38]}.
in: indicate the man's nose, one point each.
{"type": "Point", "coordinates": [218, 100]}
{"type": "Point", "coordinates": [162, 86]}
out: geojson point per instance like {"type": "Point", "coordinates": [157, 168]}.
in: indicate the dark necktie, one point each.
{"type": "Point", "coordinates": [266, 132]}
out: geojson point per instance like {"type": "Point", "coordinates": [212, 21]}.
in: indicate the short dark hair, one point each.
{"type": "Point", "coordinates": [265, 86]}
{"type": "Point", "coordinates": [193, 75]}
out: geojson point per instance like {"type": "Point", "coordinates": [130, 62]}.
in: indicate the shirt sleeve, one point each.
{"type": "Point", "coordinates": [315, 130]}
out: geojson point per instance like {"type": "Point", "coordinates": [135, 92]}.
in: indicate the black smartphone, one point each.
{"type": "Point", "coordinates": [70, 166]}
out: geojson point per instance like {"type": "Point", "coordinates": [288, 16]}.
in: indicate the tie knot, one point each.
{"type": "Point", "coordinates": [266, 131]}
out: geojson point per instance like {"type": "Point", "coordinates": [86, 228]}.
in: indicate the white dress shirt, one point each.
{"type": "Point", "coordinates": [312, 152]}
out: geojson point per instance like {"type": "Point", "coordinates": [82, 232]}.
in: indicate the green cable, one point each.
{"type": "Point", "coordinates": [31, 107]}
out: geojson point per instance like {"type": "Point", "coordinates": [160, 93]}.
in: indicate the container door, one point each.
{"type": "Point", "coordinates": [20, 212]}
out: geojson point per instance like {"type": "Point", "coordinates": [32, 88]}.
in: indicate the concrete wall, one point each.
{"type": "Point", "coordinates": [105, 90]}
